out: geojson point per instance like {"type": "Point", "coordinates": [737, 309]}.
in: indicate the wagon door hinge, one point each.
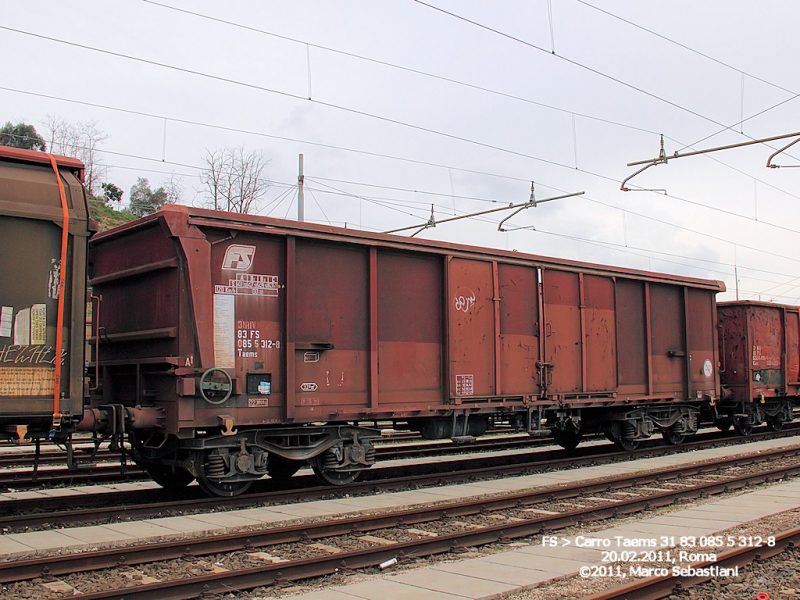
{"type": "Point", "coordinates": [545, 375]}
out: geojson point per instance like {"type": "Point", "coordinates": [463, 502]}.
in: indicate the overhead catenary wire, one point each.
{"type": "Point", "coordinates": [289, 187]}
{"type": "Point", "coordinates": [713, 208]}
{"type": "Point", "coordinates": [293, 96]}
{"type": "Point", "coordinates": [686, 47]}
{"type": "Point", "coordinates": [331, 105]}
{"type": "Point", "coordinates": [599, 72]}
{"type": "Point", "coordinates": [571, 61]}
{"type": "Point", "coordinates": [335, 190]}
{"type": "Point", "coordinates": [643, 252]}
{"type": "Point", "coordinates": [399, 67]}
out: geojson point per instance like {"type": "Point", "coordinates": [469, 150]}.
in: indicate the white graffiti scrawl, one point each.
{"type": "Point", "coordinates": [464, 300]}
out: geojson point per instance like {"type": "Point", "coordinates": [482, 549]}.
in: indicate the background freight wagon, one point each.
{"type": "Point", "coordinates": [31, 226]}
{"type": "Point", "coordinates": [760, 363]}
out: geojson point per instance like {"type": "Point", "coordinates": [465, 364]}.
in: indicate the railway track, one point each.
{"type": "Point", "coordinates": [276, 556]}
{"type": "Point", "coordinates": [103, 470]}
{"type": "Point", "coordinates": [21, 455]}
{"type": "Point", "coordinates": [105, 466]}
{"type": "Point", "coordinates": [32, 513]}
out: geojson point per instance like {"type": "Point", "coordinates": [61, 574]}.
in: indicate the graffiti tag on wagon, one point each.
{"type": "Point", "coordinates": [20, 354]}
{"type": "Point", "coordinates": [464, 300]}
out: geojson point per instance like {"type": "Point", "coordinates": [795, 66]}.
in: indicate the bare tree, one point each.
{"type": "Point", "coordinates": [80, 140]}
{"type": "Point", "coordinates": [174, 189]}
{"type": "Point", "coordinates": [235, 179]}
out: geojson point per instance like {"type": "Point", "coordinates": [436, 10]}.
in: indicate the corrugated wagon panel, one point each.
{"type": "Point", "coordinates": [793, 350]}
{"type": "Point", "coordinates": [600, 334]}
{"type": "Point", "coordinates": [734, 356]}
{"type": "Point", "coordinates": [332, 329]}
{"type": "Point", "coordinates": [409, 328]}
{"type": "Point", "coordinates": [248, 274]}
{"type": "Point", "coordinates": [562, 330]}
{"type": "Point", "coordinates": [701, 323]}
{"type": "Point", "coordinates": [669, 344]}
{"type": "Point", "coordinates": [632, 329]}
{"type": "Point", "coordinates": [766, 348]}
{"type": "Point", "coordinates": [519, 328]}
{"type": "Point", "coordinates": [471, 328]}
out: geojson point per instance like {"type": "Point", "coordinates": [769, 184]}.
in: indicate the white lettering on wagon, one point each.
{"type": "Point", "coordinates": [465, 385]}
{"type": "Point", "coordinates": [245, 284]}
{"type": "Point", "coordinates": [224, 331]}
{"type": "Point", "coordinates": [309, 386]}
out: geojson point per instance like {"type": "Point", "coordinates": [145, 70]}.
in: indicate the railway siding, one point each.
{"type": "Point", "coordinates": [75, 539]}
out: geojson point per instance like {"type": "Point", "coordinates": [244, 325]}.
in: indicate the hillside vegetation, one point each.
{"type": "Point", "coordinates": [106, 216]}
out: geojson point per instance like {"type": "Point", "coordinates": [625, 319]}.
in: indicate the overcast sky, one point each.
{"type": "Point", "coordinates": [397, 105]}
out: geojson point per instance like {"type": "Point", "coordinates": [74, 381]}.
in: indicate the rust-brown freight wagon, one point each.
{"type": "Point", "coordinates": [760, 364]}
{"type": "Point", "coordinates": [42, 285]}
{"type": "Point", "coordinates": [254, 344]}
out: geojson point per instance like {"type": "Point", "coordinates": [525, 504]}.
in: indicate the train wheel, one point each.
{"type": "Point", "coordinates": [216, 486]}
{"type": "Point", "coordinates": [742, 425]}
{"type": "Point", "coordinates": [331, 476]}
{"type": "Point", "coordinates": [227, 489]}
{"type": "Point", "coordinates": [568, 440]}
{"type": "Point", "coordinates": [627, 445]}
{"type": "Point", "coordinates": [624, 444]}
{"type": "Point", "coordinates": [672, 437]}
{"type": "Point", "coordinates": [775, 423]}
{"type": "Point", "coordinates": [282, 469]}
{"type": "Point", "coordinates": [169, 479]}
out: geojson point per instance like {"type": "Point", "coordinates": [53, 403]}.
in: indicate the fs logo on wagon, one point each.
{"type": "Point", "coordinates": [238, 257]}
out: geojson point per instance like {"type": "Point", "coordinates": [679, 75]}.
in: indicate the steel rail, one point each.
{"type": "Point", "coordinates": [102, 472]}
{"type": "Point", "coordinates": [270, 574]}
{"type": "Point", "coordinates": [74, 510]}
{"type": "Point", "coordinates": [249, 540]}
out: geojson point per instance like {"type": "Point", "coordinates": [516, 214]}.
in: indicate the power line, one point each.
{"type": "Point", "coordinates": [331, 105]}
{"type": "Point", "coordinates": [601, 73]}
{"type": "Point", "coordinates": [264, 135]}
{"type": "Point", "coordinates": [383, 202]}
{"type": "Point", "coordinates": [458, 138]}
{"type": "Point", "coordinates": [572, 62]}
{"type": "Point", "coordinates": [319, 181]}
{"type": "Point", "coordinates": [396, 66]}
{"type": "Point", "coordinates": [685, 47]}
{"type": "Point", "coordinates": [331, 146]}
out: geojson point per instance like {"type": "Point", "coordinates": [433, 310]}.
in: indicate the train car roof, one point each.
{"type": "Point", "coordinates": [757, 303]}
{"type": "Point", "coordinates": [172, 215]}
{"type": "Point", "coordinates": [36, 157]}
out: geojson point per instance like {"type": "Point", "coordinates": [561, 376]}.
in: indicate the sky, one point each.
{"type": "Point", "coordinates": [399, 105]}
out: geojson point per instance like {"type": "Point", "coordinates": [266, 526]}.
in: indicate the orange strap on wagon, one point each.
{"type": "Point", "coordinates": [61, 285]}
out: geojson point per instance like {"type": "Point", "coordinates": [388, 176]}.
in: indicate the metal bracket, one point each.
{"type": "Point", "coordinates": [226, 423]}
{"type": "Point", "coordinates": [774, 154]}
{"type": "Point", "coordinates": [432, 222]}
{"type": "Point", "coordinates": [661, 160]}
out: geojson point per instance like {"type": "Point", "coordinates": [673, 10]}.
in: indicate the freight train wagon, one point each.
{"type": "Point", "coordinates": [238, 346]}
{"type": "Point", "coordinates": [760, 364]}
{"type": "Point", "coordinates": [42, 292]}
